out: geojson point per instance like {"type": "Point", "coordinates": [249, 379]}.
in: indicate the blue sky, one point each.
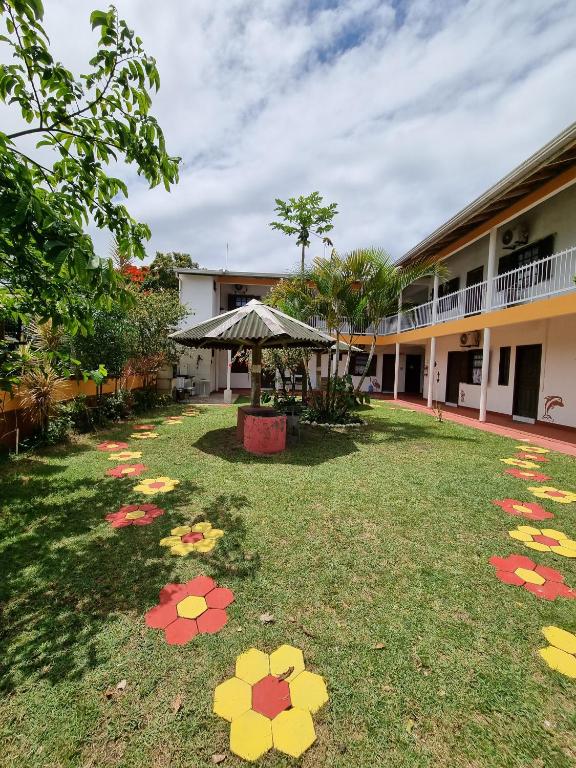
{"type": "Point", "coordinates": [401, 111]}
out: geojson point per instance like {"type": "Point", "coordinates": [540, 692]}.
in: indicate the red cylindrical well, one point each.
{"type": "Point", "coordinates": [264, 434]}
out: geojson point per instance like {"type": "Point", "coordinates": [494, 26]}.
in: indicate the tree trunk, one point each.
{"type": "Point", "coordinates": [255, 376]}
{"type": "Point", "coordinates": [304, 379]}
{"type": "Point", "coordinates": [367, 366]}
{"type": "Point", "coordinates": [303, 265]}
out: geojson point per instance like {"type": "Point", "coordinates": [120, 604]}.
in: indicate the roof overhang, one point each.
{"type": "Point", "coordinates": [547, 171]}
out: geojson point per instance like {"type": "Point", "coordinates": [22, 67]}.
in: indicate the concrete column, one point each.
{"type": "Point", "coordinates": [485, 366]}
{"type": "Point", "coordinates": [431, 371]}
{"type": "Point", "coordinates": [435, 299]}
{"type": "Point", "coordinates": [396, 371]}
{"type": "Point", "coordinates": [228, 390]}
{"type": "Point", "coordinates": [491, 269]}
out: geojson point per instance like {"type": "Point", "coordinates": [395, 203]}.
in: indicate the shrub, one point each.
{"type": "Point", "coordinates": [117, 406]}
{"type": "Point", "coordinates": [331, 407]}
{"type": "Point", "coordinates": [58, 429]}
{"type": "Point", "coordinates": [148, 398]}
{"type": "Point", "coordinates": [83, 417]}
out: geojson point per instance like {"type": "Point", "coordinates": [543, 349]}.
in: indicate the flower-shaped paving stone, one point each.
{"type": "Point", "coordinates": [144, 427]}
{"type": "Point", "coordinates": [144, 435]}
{"type": "Point", "coordinates": [134, 514]}
{"type": "Point", "coordinates": [186, 610]}
{"type": "Point", "coordinates": [125, 456]}
{"type": "Point", "coordinates": [529, 510]}
{"type": "Point", "coordinates": [532, 448]}
{"type": "Point", "coordinates": [201, 537]}
{"type": "Point", "coordinates": [191, 413]}
{"type": "Point", "coordinates": [528, 474]}
{"type": "Point", "coordinates": [532, 457]}
{"type": "Point", "coordinates": [522, 572]}
{"type": "Point", "coordinates": [154, 485]}
{"type": "Point", "coordinates": [111, 445]}
{"type": "Point", "coordinates": [523, 463]}
{"type": "Point", "coordinates": [547, 492]}
{"type": "Point", "coordinates": [270, 703]}
{"type": "Point", "coordinates": [561, 653]}
{"type": "Point", "coordinates": [545, 540]}
{"type": "Point", "coordinates": [127, 470]}
{"type": "Point", "coordinates": [173, 420]}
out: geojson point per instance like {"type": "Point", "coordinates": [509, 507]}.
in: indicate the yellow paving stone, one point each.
{"type": "Point", "coordinates": [520, 535]}
{"type": "Point", "coordinates": [559, 660]}
{"type": "Point", "coordinates": [191, 607]}
{"type": "Point", "coordinates": [136, 515]}
{"type": "Point", "coordinates": [308, 691]}
{"type": "Point", "coordinates": [201, 527]}
{"type": "Point", "coordinates": [252, 665]}
{"type": "Point", "coordinates": [535, 545]}
{"type": "Point", "coordinates": [205, 545]}
{"type": "Point", "coordinates": [250, 735]}
{"type": "Point", "coordinates": [529, 529]}
{"type": "Point", "coordinates": [214, 533]}
{"type": "Point", "coordinates": [293, 732]}
{"type": "Point", "coordinates": [169, 541]}
{"type": "Point", "coordinates": [180, 530]}
{"type": "Point", "coordinates": [530, 576]}
{"type": "Point", "coordinates": [560, 638]}
{"type": "Point", "coordinates": [182, 549]}
{"type": "Point", "coordinates": [521, 463]}
{"type": "Point", "coordinates": [232, 698]}
{"type": "Point", "coordinates": [283, 658]}
{"type": "Point", "coordinates": [532, 449]}
{"type": "Point", "coordinates": [564, 551]}
{"type": "Point", "coordinates": [554, 534]}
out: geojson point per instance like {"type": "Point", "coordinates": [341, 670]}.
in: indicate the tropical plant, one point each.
{"type": "Point", "coordinates": [161, 274]}
{"type": "Point", "coordinates": [303, 217]}
{"type": "Point", "coordinates": [48, 265]}
{"type": "Point", "coordinates": [39, 391]}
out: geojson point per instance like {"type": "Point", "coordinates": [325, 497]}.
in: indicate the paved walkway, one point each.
{"type": "Point", "coordinates": [560, 439]}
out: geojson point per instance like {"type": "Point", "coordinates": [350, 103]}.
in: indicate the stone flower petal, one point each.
{"type": "Point", "coordinates": [250, 735]}
{"type": "Point", "coordinates": [293, 732]}
{"type": "Point", "coordinates": [232, 698]}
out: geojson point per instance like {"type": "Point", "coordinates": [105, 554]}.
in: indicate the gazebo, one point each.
{"type": "Point", "coordinates": [254, 326]}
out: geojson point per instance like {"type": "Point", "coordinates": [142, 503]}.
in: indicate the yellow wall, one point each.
{"type": "Point", "coordinates": [71, 389]}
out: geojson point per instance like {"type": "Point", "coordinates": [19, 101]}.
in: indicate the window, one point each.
{"type": "Point", "coordinates": [236, 300]}
{"type": "Point", "coordinates": [358, 363]}
{"type": "Point", "coordinates": [475, 366]}
{"type": "Point", "coordinates": [504, 367]}
{"type": "Point", "coordinates": [521, 257]}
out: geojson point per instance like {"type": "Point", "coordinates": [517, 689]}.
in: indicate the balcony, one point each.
{"type": "Point", "coordinates": [541, 279]}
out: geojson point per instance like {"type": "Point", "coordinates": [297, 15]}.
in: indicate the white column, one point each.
{"type": "Point", "coordinates": [431, 371]}
{"type": "Point", "coordinates": [228, 390]}
{"type": "Point", "coordinates": [435, 299]}
{"type": "Point", "coordinates": [491, 269]}
{"type": "Point", "coordinates": [485, 365]}
{"type": "Point", "coordinates": [396, 371]}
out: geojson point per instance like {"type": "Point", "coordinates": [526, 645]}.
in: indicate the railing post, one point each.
{"type": "Point", "coordinates": [435, 299]}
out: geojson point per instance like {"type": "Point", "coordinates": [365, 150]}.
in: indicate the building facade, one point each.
{"type": "Point", "coordinates": [497, 335]}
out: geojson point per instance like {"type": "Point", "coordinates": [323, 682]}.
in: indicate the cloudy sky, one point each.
{"type": "Point", "coordinates": [401, 111]}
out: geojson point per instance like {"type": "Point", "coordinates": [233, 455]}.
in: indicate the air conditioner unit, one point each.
{"type": "Point", "coordinates": [471, 339]}
{"type": "Point", "coordinates": [514, 236]}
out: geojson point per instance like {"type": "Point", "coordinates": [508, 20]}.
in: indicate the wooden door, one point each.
{"type": "Point", "coordinates": [474, 298]}
{"type": "Point", "coordinates": [527, 381]}
{"type": "Point", "coordinates": [412, 381]}
{"type": "Point", "coordinates": [457, 371]}
{"type": "Point", "coordinates": [388, 363]}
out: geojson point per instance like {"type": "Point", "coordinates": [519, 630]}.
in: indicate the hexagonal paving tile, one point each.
{"type": "Point", "coordinates": [293, 732]}
{"type": "Point", "coordinates": [232, 698]}
{"type": "Point", "coordinates": [270, 696]}
{"type": "Point", "coordinates": [191, 607]}
{"type": "Point", "coordinates": [283, 658]}
{"type": "Point", "coordinates": [252, 665]}
{"type": "Point", "coordinates": [308, 691]}
{"type": "Point", "coordinates": [250, 735]}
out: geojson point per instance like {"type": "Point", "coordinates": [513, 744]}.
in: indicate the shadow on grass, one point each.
{"type": "Point", "coordinates": [66, 573]}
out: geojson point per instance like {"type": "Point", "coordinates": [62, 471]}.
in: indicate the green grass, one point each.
{"type": "Point", "coordinates": [378, 537]}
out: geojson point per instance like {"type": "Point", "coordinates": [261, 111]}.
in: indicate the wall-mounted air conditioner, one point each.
{"type": "Point", "coordinates": [470, 339]}
{"type": "Point", "coordinates": [514, 236]}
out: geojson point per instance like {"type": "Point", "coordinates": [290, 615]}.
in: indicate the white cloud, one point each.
{"type": "Point", "coordinates": [401, 112]}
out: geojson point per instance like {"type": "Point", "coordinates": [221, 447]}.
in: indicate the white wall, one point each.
{"type": "Point", "coordinates": [558, 368]}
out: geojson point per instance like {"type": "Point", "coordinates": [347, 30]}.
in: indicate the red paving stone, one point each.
{"type": "Point", "coordinates": [270, 696]}
{"type": "Point", "coordinates": [559, 439]}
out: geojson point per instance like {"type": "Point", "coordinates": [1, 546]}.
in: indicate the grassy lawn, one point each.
{"type": "Point", "coordinates": [371, 551]}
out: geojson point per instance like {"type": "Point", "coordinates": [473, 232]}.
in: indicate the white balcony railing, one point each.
{"type": "Point", "coordinates": [547, 277]}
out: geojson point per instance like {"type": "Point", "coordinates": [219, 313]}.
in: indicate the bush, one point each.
{"type": "Point", "coordinates": [117, 406]}
{"type": "Point", "coordinates": [59, 429]}
{"type": "Point", "coordinates": [146, 399]}
{"type": "Point", "coordinates": [332, 407]}
{"type": "Point", "coordinates": [84, 417]}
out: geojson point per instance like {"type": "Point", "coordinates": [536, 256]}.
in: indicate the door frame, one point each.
{"type": "Point", "coordinates": [516, 417]}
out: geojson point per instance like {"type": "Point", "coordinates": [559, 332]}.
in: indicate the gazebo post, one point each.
{"type": "Point", "coordinates": [256, 376]}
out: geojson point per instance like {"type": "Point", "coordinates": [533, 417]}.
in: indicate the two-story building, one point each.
{"type": "Point", "coordinates": [499, 334]}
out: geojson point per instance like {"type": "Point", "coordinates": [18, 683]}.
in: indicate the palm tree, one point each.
{"type": "Point", "coordinates": [382, 287]}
